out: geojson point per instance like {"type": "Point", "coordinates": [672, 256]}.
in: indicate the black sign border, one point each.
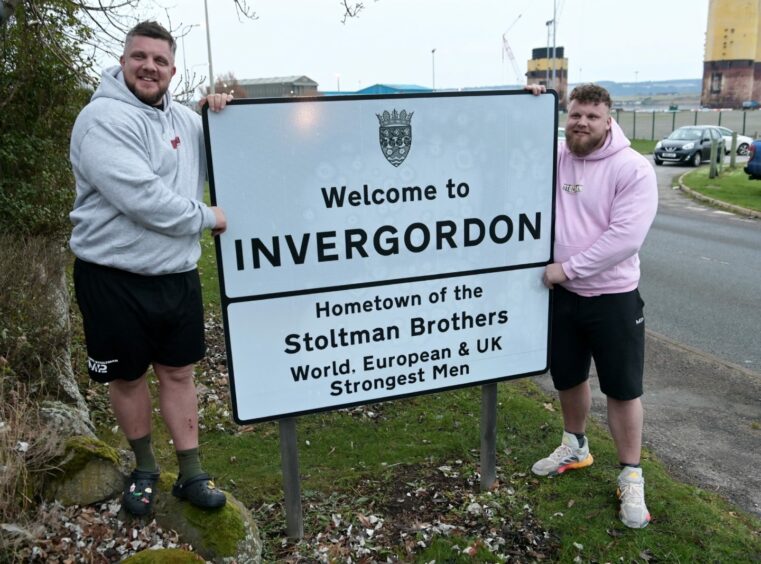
{"type": "Point", "coordinates": [226, 301]}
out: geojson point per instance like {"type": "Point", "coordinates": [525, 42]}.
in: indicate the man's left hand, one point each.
{"type": "Point", "coordinates": [535, 89]}
{"type": "Point", "coordinates": [553, 274]}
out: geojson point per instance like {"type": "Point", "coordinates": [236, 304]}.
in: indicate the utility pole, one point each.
{"type": "Point", "coordinates": [547, 71]}
{"type": "Point", "coordinates": [554, 29]}
{"type": "Point", "coordinates": [208, 47]}
{"type": "Point", "coordinates": [433, 68]}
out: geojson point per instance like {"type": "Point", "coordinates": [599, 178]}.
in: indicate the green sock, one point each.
{"type": "Point", "coordinates": [144, 459]}
{"type": "Point", "coordinates": [190, 463]}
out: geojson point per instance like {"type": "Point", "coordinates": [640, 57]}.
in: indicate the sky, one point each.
{"type": "Point", "coordinates": [392, 40]}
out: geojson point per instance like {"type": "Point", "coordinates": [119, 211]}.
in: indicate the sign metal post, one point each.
{"type": "Point", "coordinates": [488, 436]}
{"type": "Point", "coordinates": [381, 247]}
{"type": "Point", "coordinates": [289, 460]}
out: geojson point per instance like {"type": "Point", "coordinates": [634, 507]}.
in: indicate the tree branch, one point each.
{"type": "Point", "coordinates": [242, 9]}
{"type": "Point", "coordinates": [351, 9]}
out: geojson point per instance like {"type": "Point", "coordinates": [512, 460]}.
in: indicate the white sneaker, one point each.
{"type": "Point", "coordinates": [568, 456]}
{"type": "Point", "coordinates": [631, 495]}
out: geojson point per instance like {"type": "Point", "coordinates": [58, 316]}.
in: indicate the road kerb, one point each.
{"type": "Point", "coordinates": [714, 202]}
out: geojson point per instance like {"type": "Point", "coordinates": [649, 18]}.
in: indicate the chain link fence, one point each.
{"type": "Point", "coordinates": [656, 124]}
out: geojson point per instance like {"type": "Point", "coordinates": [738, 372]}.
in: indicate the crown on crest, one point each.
{"type": "Point", "coordinates": [394, 118]}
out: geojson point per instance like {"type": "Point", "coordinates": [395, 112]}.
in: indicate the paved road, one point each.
{"type": "Point", "coordinates": [702, 420]}
{"type": "Point", "coordinates": [702, 411]}
{"type": "Point", "coordinates": [701, 276]}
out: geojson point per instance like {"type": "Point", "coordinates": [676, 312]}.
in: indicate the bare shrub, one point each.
{"type": "Point", "coordinates": [34, 325]}
{"type": "Point", "coordinates": [34, 364]}
{"type": "Point", "coordinates": [19, 430]}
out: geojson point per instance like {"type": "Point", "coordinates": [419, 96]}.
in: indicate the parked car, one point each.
{"type": "Point", "coordinates": [690, 144]}
{"type": "Point", "coordinates": [753, 166]}
{"type": "Point", "coordinates": [751, 105]}
{"type": "Point", "coordinates": [743, 141]}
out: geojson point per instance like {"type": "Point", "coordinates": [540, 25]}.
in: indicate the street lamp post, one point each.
{"type": "Point", "coordinates": [433, 68]}
{"type": "Point", "coordinates": [208, 47]}
{"type": "Point", "coordinates": [554, 30]}
{"type": "Point", "coordinates": [185, 31]}
{"type": "Point", "coordinates": [548, 23]}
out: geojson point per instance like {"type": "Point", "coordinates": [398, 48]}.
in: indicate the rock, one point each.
{"type": "Point", "coordinates": [225, 535]}
{"type": "Point", "coordinates": [89, 471]}
{"type": "Point", "coordinates": [64, 421]}
{"type": "Point", "coordinates": [63, 380]}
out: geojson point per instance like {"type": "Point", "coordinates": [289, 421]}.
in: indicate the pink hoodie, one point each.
{"type": "Point", "coordinates": [605, 205]}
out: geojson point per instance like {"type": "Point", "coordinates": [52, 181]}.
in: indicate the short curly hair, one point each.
{"type": "Point", "coordinates": [591, 94]}
{"type": "Point", "coordinates": [154, 30]}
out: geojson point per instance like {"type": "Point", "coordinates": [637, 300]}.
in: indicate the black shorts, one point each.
{"type": "Point", "coordinates": [609, 328]}
{"type": "Point", "coordinates": [131, 321]}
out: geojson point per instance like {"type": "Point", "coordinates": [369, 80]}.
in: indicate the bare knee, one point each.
{"type": "Point", "coordinates": [127, 387]}
{"type": "Point", "coordinates": [624, 405]}
{"type": "Point", "coordinates": [174, 375]}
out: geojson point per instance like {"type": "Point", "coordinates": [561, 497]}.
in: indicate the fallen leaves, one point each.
{"type": "Point", "coordinates": [399, 518]}
{"type": "Point", "coordinates": [395, 517]}
{"type": "Point", "coordinates": [96, 534]}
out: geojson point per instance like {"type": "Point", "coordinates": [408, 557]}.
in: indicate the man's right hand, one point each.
{"type": "Point", "coordinates": [221, 225]}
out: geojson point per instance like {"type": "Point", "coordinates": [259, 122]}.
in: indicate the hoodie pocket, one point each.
{"type": "Point", "coordinates": [126, 235]}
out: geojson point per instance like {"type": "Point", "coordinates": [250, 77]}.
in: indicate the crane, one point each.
{"type": "Point", "coordinates": [506, 49]}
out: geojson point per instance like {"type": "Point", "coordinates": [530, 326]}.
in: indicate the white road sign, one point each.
{"type": "Point", "coordinates": [379, 247]}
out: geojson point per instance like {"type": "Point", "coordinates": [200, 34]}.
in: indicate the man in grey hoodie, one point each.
{"type": "Point", "coordinates": [139, 165]}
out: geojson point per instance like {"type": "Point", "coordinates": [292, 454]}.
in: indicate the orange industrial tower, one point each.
{"type": "Point", "coordinates": [732, 63]}
{"type": "Point", "coordinates": [540, 71]}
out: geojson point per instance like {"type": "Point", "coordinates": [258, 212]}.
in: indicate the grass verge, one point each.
{"type": "Point", "coordinates": [363, 461]}
{"type": "Point", "coordinates": [733, 187]}
{"type": "Point", "coordinates": [342, 450]}
{"type": "Point", "coordinates": [644, 146]}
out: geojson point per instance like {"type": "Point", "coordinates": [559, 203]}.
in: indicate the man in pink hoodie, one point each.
{"type": "Point", "coordinates": [606, 199]}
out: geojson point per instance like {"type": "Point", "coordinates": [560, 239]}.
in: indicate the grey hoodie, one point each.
{"type": "Point", "coordinates": [140, 174]}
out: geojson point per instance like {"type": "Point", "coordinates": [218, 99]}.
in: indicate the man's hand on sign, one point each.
{"type": "Point", "coordinates": [216, 101]}
{"type": "Point", "coordinates": [554, 274]}
{"type": "Point", "coordinates": [535, 89]}
{"type": "Point", "coordinates": [221, 225]}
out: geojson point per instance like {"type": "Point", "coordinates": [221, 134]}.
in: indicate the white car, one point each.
{"type": "Point", "coordinates": [743, 141]}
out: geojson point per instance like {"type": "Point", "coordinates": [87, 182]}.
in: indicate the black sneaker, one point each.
{"type": "Point", "coordinates": [140, 492]}
{"type": "Point", "coordinates": [200, 491]}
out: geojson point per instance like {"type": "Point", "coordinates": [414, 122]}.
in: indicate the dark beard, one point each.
{"type": "Point", "coordinates": [149, 100]}
{"type": "Point", "coordinates": [584, 146]}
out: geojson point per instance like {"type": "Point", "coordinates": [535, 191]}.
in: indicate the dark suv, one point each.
{"type": "Point", "coordinates": [753, 166]}
{"type": "Point", "coordinates": [689, 144]}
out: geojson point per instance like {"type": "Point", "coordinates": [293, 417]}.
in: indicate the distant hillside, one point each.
{"type": "Point", "coordinates": [680, 87]}
{"type": "Point", "coordinates": [652, 88]}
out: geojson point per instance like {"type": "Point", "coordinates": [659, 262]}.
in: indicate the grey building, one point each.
{"type": "Point", "coordinates": [279, 87]}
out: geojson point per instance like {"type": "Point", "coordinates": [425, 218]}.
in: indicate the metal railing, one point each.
{"type": "Point", "coordinates": [654, 124]}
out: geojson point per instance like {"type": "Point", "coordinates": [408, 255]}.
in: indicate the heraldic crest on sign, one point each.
{"type": "Point", "coordinates": [395, 135]}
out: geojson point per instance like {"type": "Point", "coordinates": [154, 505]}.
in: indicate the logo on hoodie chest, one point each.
{"type": "Point", "coordinates": [573, 188]}
{"type": "Point", "coordinates": [175, 142]}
